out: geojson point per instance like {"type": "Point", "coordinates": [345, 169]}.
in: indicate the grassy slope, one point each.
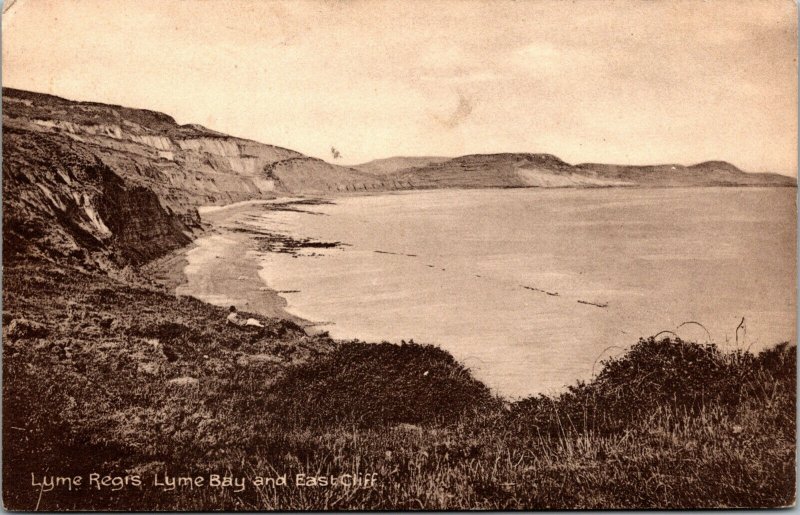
{"type": "Point", "coordinates": [671, 424]}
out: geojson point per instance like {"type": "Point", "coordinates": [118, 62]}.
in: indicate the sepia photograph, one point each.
{"type": "Point", "coordinates": [319, 255]}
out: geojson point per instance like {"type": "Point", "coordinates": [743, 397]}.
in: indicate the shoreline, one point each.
{"type": "Point", "coordinates": [236, 235]}
{"type": "Point", "coordinates": [240, 273]}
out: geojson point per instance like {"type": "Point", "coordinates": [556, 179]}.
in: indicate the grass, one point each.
{"type": "Point", "coordinates": [95, 380]}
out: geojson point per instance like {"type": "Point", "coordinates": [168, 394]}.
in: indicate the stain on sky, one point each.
{"type": "Point", "coordinates": [462, 112]}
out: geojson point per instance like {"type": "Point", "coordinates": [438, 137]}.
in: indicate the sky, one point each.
{"type": "Point", "coordinates": [627, 82]}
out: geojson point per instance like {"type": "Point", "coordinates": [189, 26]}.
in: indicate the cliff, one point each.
{"type": "Point", "coordinates": [60, 200]}
{"type": "Point", "coordinates": [126, 182]}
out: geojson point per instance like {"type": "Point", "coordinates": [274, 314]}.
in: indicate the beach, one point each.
{"type": "Point", "coordinates": [222, 267]}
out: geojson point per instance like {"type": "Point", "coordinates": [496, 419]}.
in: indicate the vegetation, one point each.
{"type": "Point", "coordinates": [112, 378]}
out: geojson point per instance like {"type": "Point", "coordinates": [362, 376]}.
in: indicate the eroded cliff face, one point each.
{"type": "Point", "coordinates": [125, 182]}
{"type": "Point", "coordinates": [60, 201]}
{"type": "Point", "coordinates": [135, 177]}
{"type": "Point", "coordinates": [185, 164]}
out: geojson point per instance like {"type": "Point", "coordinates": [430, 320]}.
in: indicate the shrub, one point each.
{"type": "Point", "coordinates": [372, 384]}
{"type": "Point", "coordinates": [682, 377]}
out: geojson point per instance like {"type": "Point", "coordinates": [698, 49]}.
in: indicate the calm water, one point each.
{"type": "Point", "coordinates": [461, 260]}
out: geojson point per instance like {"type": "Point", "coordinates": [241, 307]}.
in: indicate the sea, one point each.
{"type": "Point", "coordinates": [532, 289]}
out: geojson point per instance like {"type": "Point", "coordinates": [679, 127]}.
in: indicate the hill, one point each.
{"type": "Point", "coordinates": [708, 173]}
{"type": "Point", "coordinates": [500, 171]}
{"type": "Point", "coordinates": [521, 170]}
{"type": "Point", "coordinates": [395, 164]}
{"type": "Point", "coordinates": [311, 175]}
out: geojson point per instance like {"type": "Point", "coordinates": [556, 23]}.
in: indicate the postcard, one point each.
{"type": "Point", "coordinates": [373, 255]}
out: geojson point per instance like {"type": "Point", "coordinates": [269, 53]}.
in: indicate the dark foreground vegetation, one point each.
{"type": "Point", "coordinates": [109, 378]}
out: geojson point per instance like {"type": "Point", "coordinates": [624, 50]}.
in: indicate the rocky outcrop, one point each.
{"type": "Point", "coordinates": [186, 165]}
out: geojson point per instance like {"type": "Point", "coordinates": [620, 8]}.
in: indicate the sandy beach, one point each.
{"type": "Point", "coordinates": [191, 271]}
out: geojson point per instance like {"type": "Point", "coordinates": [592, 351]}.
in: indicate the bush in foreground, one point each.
{"type": "Point", "coordinates": [683, 378]}
{"type": "Point", "coordinates": [370, 385]}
